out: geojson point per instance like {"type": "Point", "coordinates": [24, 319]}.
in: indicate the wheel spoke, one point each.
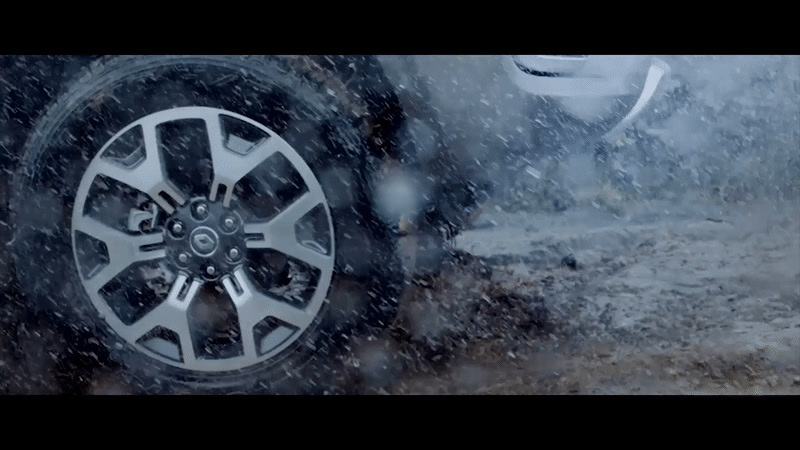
{"type": "Point", "coordinates": [279, 232]}
{"type": "Point", "coordinates": [252, 306]}
{"type": "Point", "coordinates": [149, 175]}
{"type": "Point", "coordinates": [230, 166]}
{"type": "Point", "coordinates": [172, 315]}
{"type": "Point", "coordinates": [123, 249]}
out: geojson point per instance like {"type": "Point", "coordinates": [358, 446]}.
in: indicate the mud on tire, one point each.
{"type": "Point", "coordinates": [278, 93]}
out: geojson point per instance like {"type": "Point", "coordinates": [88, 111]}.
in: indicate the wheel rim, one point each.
{"type": "Point", "coordinates": [210, 243]}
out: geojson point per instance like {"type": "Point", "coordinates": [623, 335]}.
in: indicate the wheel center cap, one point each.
{"type": "Point", "coordinates": [204, 241]}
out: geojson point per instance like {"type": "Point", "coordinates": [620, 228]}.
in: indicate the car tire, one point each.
{"type": "Point", "coordinates": [284, 97]}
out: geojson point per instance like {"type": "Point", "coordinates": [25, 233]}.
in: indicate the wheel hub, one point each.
{"type": "Point", "coordinates": [211, 240]}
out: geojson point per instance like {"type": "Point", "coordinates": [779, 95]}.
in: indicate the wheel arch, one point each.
{"type": "Point", "coordinates": [30, 83]}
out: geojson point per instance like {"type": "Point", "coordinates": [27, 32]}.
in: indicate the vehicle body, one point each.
{"type": "Point", "coordinates": [146, 187]}
{"type": "Point", "coordinates": [591, 89]}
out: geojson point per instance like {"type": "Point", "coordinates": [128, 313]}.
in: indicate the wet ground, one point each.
{"type": "Point", "coordinates": [653, 298]}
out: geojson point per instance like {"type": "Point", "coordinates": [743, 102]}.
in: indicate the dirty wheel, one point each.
{"type": "Point", "coordinates": [205, 217]}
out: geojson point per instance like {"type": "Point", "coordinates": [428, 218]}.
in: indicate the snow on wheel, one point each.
{"type": "Point", "coordinates": [201, 241]}
{"type": "Point", "coordinates": [179, 208]}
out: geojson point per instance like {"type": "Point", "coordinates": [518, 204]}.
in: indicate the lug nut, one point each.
{"type": "Point", "coordinates": [229, 223]}
{"type": "Point", "coordinates": [177, 228]}
{"type": "Point", "coordinates": [211, 270]}
{"type": "Point", "coordinates": [183, 258]}
{"type": "Point", "coordinates": [200, 211]}
{"type": "Point", "coordinates": [234, 253]}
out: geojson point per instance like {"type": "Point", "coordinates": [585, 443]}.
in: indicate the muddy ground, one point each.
{"type": "Point", "coordinates": [655, 298]}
